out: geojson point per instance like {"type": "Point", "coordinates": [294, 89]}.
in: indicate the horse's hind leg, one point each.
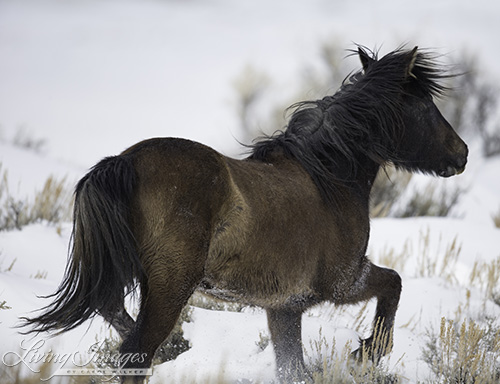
{"type": "Point", "coordinates": [170, 282]}
{"type": "Point", "coordinates": [119, 319]}
{"type": "Point", "coordinates": [285, 328]}
{"type": "Point", "coordinates": [385, 285]}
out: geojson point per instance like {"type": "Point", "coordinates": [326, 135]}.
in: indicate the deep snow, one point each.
{"type": "Point", "coordinates": [93, 77]}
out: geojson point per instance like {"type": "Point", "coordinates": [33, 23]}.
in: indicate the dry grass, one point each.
{"type": "Point", "coordinates": [19, 374]}
{"type": "Point", "coordinates": [25, 139]}
{"type": "Point", "coordinates": [10, 267]}
{"type": "Point", "coordinates": [330, 367]}
{"type": "Point", "coordinates": [388, 257]}
{"type": "Point", "coordinates": [431, 261]}
{"type": "Point", "coordinates": [51, 204]}
{"type": "Point", "coordinates": [391, 186]}
{"type": "Point", "coordinates": [441, 263]}
{"type": "Point", "coordinates": [388, 187]}
{"type": "Point", "coordinates": [360, 315]}
{"type": "Point", "coordinates": [464, 354]}
{"type": "Point", "coordinates": [496, 218]}
{"type": "Point", "coordinates": [432, 201]}
{"type": "Point", "coordinates": [487, 276]}
{"type": "Point", "coordinates": [41, 275]}
{"type": "Point", "coordinates": [249, 86]}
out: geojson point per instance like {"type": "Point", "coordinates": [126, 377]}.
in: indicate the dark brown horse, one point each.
{"type": "Point", "coordinates": [284, 229]}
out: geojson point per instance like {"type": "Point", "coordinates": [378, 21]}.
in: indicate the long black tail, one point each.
{"type": "Point", "coordinates": [103, 262]}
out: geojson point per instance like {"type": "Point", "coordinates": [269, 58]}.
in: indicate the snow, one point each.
{"type": "Point", "coordinates": [93, 77]}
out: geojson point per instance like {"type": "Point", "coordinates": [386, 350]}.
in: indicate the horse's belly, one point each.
{"type": "Point", "coordinates": [262, 291]}
{"type": "Point", "coordinates": [244, 266]}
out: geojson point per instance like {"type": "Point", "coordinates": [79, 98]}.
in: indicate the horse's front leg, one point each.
{"type": "Point", "coordinates": [285, 326]}
{"type": "Point", "coordinates": [385, 285]}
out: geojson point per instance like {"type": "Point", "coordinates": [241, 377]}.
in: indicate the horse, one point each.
{"type": "Point", "coordinates": [284, 229]}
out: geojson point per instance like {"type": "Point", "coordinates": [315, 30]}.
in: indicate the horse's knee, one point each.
{"type": "Point", "coordinates": [387, 286]}
{"type": "Point", "coordinates": [393, 280]}
{"type": "Point", "coordinates": [384, 279]}
{"type": "Point", "coordinates": [383, 283]}
{"type": "Point", "coordinates": [372, 281]}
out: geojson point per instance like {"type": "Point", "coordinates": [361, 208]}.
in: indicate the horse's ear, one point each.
{"type": "Point", "coordinates": [413, 58]}
{"type": "Point", "coordinates": [366, 60]}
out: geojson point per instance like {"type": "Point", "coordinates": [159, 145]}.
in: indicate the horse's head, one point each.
{"type": "Point", "coordinates": [425, 142]}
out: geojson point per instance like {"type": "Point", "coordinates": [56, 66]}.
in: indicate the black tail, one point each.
{"type": "Point", "coordinates": [103, 262]}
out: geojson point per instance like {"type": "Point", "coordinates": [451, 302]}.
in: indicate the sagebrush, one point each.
{"type": "Point", "coordinates": [466, 353]}
{"type": "Point", "coordinates": [51, 204]}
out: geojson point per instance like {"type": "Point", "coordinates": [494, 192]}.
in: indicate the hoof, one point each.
{"type": "Point", "coordinates": [372, 350]}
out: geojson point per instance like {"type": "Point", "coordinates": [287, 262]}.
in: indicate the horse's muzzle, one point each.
{"type": "Point", "coordinates": [456, 167]}
{"type": "Point", "coordinates": [451, 171]}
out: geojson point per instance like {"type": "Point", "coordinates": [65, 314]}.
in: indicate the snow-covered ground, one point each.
{"type": "Point", "coordinates": [224, 344]}
{"type": "Point", "coordinates": [93, 77]}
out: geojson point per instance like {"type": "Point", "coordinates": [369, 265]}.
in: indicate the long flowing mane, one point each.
{"type": "Point", "coordinates": [363, 119]}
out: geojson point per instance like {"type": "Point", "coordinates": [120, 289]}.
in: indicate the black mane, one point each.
{"type": "Point", "coordinates": [362, 119]}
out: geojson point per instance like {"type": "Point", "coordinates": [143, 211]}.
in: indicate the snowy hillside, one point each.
{"type": "Point", "coordinates": [93, 77]}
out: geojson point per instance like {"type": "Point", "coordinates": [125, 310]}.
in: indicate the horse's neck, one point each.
{"type": "Point", "coordinates": [368, 176]}
{"type": "Point", "coordinates": [361, 179]}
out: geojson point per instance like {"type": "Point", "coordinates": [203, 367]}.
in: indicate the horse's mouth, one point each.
{"type": "Point", "coordinates": [454, 166]}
